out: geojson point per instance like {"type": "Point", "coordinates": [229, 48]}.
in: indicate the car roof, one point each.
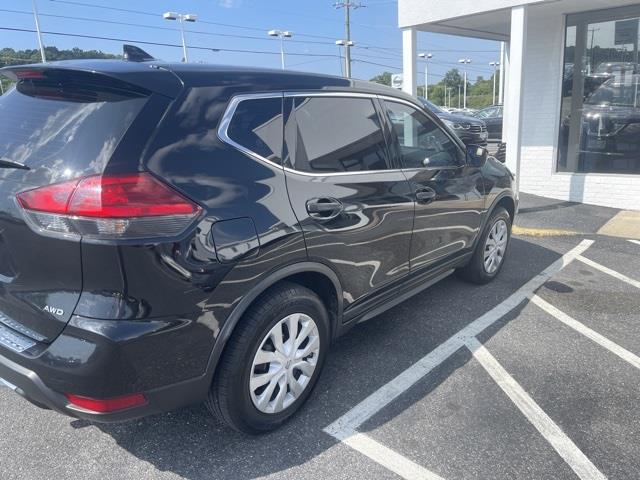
{"type": "Point", "coordinates": [169, 78]}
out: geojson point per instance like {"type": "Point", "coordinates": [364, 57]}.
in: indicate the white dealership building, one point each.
{"type": "Point", "coordinates": [572, 97]}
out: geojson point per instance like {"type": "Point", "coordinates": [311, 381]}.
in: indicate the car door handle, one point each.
{"type": "Point", "coordinates": [324, 208]}
{"type": "Point", "coordinates": [425, 195]}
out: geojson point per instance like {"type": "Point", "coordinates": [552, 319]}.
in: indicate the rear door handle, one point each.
{"type": "Point", "coordinates": [324, 208]}
{"type": "Point", "coordinates": [425, 195]}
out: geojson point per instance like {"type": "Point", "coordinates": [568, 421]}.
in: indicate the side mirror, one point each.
{"type": "Point", "coordinates": [476, 156]}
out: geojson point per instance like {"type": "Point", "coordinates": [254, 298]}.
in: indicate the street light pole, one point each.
{"type": "Point", "coordinates": [426, 57]}
{"type": "Point", "coordinates": [188, 17]}
{"type": "Point", "coordinates": [38, 32]}
{"type": "Point", "coordinates": [465, 61]}
{"type": "Point", "coordinates": [282, 35]}
{"type": "Point", "coordinates": [495, 66]}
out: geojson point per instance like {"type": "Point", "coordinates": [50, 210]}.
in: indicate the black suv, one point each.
{"type": "Point", "coordinates": [174, 233]}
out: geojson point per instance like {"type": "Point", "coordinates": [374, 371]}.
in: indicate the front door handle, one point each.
{"type": "Point", "coordinates": [425, 195]}
{"type": "Point", "coordinates": [324, 208]}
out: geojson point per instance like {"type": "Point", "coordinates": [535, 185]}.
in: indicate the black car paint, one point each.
{"type": "Point", "coordinates": [155, 317]}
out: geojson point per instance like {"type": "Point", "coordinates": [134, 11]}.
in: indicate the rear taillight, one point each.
{"type": "Point", "coordinates": [109, 207]}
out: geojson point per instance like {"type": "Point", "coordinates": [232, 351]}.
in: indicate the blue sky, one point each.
{"type": "Point", "coordinates": [242, 25]}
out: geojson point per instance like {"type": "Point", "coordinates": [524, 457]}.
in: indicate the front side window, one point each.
{"type": "Point", "coordinates": [338, 134]}
{"type": "Point", "coordinates": [257, 126]}
{"type": "Point", "coordinates": [600, 114]}
{"type": "Point", "coordinates": [421, 141]}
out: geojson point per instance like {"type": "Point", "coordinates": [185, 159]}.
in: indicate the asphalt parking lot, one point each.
{"type": "Point", "coordinates": [533, 376]}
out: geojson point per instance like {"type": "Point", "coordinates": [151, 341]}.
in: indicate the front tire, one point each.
{"type": "Point", "coordinates": [491, 250]}
{"type": "Point", "coordinates": [272, 361]}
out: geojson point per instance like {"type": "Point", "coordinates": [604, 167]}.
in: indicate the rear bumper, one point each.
{"type": "Point", "coordinates": [166, 360]}
{"type": "Point", "coordinates": [29, 385]}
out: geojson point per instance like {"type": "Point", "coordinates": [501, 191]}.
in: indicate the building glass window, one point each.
{"type": "Point", "coordinates": [600, 112]}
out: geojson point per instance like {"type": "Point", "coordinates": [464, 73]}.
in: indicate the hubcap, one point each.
{"type": "Point", "coordinates": [495, 246]}
{"type": "Point", "coordinates": [284, 363]}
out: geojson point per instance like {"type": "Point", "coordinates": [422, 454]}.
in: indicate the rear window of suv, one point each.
{"type": "Point", "coordinates": [64, 129]}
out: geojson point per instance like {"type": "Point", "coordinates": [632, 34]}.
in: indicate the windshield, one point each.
{"type": "Point", "coordinates": [615, 92]}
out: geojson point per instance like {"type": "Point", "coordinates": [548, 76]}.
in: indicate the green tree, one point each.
{"type": "Point", "coordinates": [384, 78]}
{"type": "Point", "coordinates": [452, 78]}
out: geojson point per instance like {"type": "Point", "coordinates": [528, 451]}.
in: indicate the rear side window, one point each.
{"type": "Point", "coordinates": [338, 134]}
{"type": "Point", "coordinates": [257, 126]}
{"type": "Point", "coordinates": [63, 130]}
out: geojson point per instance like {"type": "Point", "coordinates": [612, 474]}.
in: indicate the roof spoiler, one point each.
{"type": "Point", "coordinates": [131, 53]}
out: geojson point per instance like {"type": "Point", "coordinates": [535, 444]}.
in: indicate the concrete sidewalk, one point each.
{"type": "Point", "coordinates": [540, 216]}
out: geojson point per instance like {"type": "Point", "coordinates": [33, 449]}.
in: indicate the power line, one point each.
{"type": "Point", "coordinates": [155, 15]}
{"type": "Point", "coordinates": [229, 25]}
{"type": "Point", "coordinates": [156, 27]}
{"type": "Point", "coordinates": [163, 44]}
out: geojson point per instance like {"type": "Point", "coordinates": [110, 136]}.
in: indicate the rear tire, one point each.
{"type": "Point", "coordinates": [241, 396]}
{"type": "Point", "coordinates": [490, 253]}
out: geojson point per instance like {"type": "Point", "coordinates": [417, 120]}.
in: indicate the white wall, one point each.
{"type": "Point", "coordinates": [542, 92]}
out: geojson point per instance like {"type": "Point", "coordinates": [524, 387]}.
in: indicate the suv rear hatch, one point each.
{"type": "Point", "coordinates": [55, 125]}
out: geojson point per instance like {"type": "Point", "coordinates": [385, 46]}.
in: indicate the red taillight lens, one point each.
{"type": "Point", "coordinates": [109, 207]}
{"type": "Point", "coordinates": [107, 405]}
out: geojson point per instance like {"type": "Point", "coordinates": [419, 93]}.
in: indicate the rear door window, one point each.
{"type": "Point", "coordinates": [257, 126]}
{"type": "Point", "coordinates": [338, 134]}
{"type": "Point", "coordinates": [64, 130]}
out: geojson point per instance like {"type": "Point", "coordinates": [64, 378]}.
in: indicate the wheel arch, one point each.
{"type": "Point", "coordinates": [507, 202]}
{"type": "Point", "coordinates": [317, 277]}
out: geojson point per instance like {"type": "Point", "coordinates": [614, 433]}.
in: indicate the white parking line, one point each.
{"type": "Point", "coordinates": [637, 242]}
{"type": "Point", "coordinates": [608, 271]}
{"type": "Point", "coordinates": [345, 427]}
{"type": "Point", "coordinates": [601, 340]}
{"type": "Point", "coordinates": [389, 459]}
{"type": "Point", "coordinates": [552, 433]}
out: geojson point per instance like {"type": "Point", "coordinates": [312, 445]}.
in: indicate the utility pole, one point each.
{"type": "Point", "coordinates": [37, 19]}
{"type": "Point", "coordinates": [345, 44]}
{"type": "Point", "coordinates": [347, 5]}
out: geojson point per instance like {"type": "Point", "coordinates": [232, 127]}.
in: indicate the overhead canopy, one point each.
{"type": "Point", "coordinates": [486, 19]}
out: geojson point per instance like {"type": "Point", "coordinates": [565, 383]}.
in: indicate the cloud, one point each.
{"type": "Point", "coordinates": [229, 3]}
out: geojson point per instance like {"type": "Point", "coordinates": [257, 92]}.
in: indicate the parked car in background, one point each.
{"type": "Point", "coordinates": [171, 235]}
{"type": "Point", "coordinates": [611, 126]}
{"type": "Point", "coordinates": [470, 130]}
{"type": "Point", "coordinates": [492, 117]}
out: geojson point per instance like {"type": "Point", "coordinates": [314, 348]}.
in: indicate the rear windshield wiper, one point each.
{"type": "Point", "coordinates": [6, 163]}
